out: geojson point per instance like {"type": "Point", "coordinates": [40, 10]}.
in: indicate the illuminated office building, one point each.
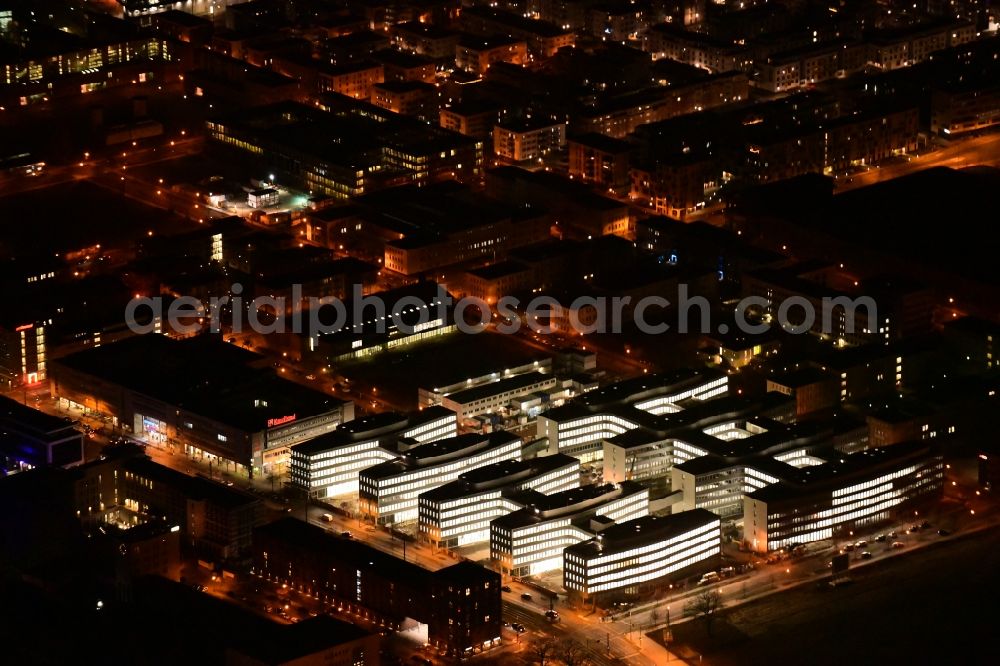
{"type": "Point", "coordinates": [389, 490]}
{"type": "Point", "coordinates": [639, 555]}
{"type": "Point", "coordinates": [329, 465]}
{"type": "Point", "coordinates": [531, 540]}
{"type": "Point", "coordinates": [459, 513]}
{"type": "Point", "coordinates": [823, 502]}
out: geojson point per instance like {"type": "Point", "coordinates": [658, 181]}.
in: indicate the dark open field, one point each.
{"type": "Point", "coordinates": [936, 605]}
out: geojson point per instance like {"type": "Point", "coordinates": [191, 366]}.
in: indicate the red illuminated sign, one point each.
{"type": "Point", "coordinates": [24, 327]}
{"type": "Point", "coordinates": [282, 420]}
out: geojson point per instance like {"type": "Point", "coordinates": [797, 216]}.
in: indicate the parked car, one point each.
{"type": "Point", "coordinates": [518, 627]}
{"type": "Point", "coordinates": [897, 544]}
{"type": "Point", "coordinates": [880, 538]}
{"type": "Point", "coordinates": [861, 544]}
{"type": "Point", "coordinates": [505, 588]}
{"type": "Point", "coordinates": [526, 596]}
{"type": "Point", "coordinates": [943, 532]}
{"type": "Point", "coordinates": [866, 555]}
{"type": "Point", "coordinates": [552, 616]}
{"type": "Point", "coordinates": [327, 517]}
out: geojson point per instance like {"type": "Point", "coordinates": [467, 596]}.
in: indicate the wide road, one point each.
{"type": "Point", "coordinates": [981, 150]}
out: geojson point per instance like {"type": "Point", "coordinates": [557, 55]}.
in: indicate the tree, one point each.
{"type": "Point", "coordinates": [543, 649]}
{"type": "Point", "coordinates": [572, 653]}
{"type": "Point", "coordinates": [705, 606]}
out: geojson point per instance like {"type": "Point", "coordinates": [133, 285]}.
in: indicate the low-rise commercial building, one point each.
{"type": "Point", "coordinates": [169, 393]}
{"type": "Point", "coordinates": [495, 396]}
{"type": "Point", "coordinates": [329, 465]}
{"type": "Point", "coordinates": [531, 540]}
{"type": "Point", "coordinates": [643, 554]}
{"type": "Point", "coordinates": [459, 513]}
{"type": "Point", "coordinates": [388, 491]}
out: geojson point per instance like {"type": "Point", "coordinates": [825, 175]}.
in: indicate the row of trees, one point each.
{"type": "Point", "coordinates": [566, 651]}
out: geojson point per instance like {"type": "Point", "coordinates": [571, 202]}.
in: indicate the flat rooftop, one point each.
{"type": "Point", "coordinates": [202, 375]}
{"type": "Point", "coordinates": [642, 531]}
{"type": "Point", "coordinates": [385, 426]}
{"type": "Point", "coordinates": [499, 475]}
{"type": "Point", "coordinates": [438, 452]}
{"type": "Point", "coordinates": [517, 383]}
{"type": "Point", "coordinates": [572, 503]}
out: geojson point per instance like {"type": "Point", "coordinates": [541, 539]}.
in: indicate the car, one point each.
{"type": "Point", "coordinates": [890, 535]}
{"type": "Point", "coordinates": [347, 535]}
{"type": "Point", "coordinates": [897, 544]}
{"type": "Point", "coordinates": [327, 517]}
{"type": "Point", "coordinates": [552, 616]}
{"type": "Point", "coordinates": [914, 528]}
{"type": "Point", "coordinates": [505, 588]}
{"type": "Point", "coordinates": [310, 377]}
{"type": "Point", "coordinates": [518, 627]}
{"type": "Point", "coordinates": [866, 555]}
{"type": "Point", "coordinates": [526, 596]}
{"type": "Point", "coordinates": [943, 532]}
{"type": "Point", "coordinates": [880, 538]}
{"type": "Point", "coordinates": [925, 525]}
{"type": "Point", "coordinates": [710, 577]}
{"type": "Point", "coordinates": [860, 544]}
{"type": "Point", "coordinates": [848, 548]}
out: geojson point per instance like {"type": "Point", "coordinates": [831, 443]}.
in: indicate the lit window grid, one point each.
{"type": "Point", "coordinates": [399, 493]}
{"type": "Point", "coordinates": [535, 547]}
{"type": "Point", "coordinates": [657, 561]}
{"type": "Point", "coordinates": [871, 502]}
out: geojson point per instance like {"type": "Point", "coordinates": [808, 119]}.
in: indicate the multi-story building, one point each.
{"type": "Point", "coordinates": [459, 513]}
{"type": "Point", "coordinates": [388, 491]}
{"type": "Point", "coordinates": [329, 465]}
{"type": "Point", "coordinates": [650, 452]}
{"type": "Point", "coordinates": [48, 64]}
{"type": "Point", "coordinates": [531, 540]}
{"type": "Point", "coordinates": [427, 396]}
{"type": "Point", "coordinates": [494, 397]}
{"type": "Point", "coordinates": [832, 499]}
{"type": "Point", "coordinates": [443, 225]}
{"type": "Point", "coordinates": [579, 427]}
{"type": "Point", "coordinates": [620, 115]}
{"type": "Point", "coordinates": [475, 119]}
{"type": "Point", "coordinates": [247, 420]}
{"type": "Point", "coordinates": [217, 521]}
{"type": "Point", "coordinates": [30, 438]}
{"type": "Point", "coordinates": [476, 54]}
{"type": "Point", "coordinates": [601, 160]}
{"type": "Point", "coordinates": [811, 64]}
{"type": "Point", "coordinates": [292, 139]}
{"type": "Point", "coordinates": [643, 554]}
{"type": "Point", "coordinates": [425, 39]}
{"type": "Point", "coordinates": [544, 39]}
{"type": "Point", "coordinates": [520, 141]}
{"type": "Point", "coordinates": [695, 48]}
{"type": "Point", "coordinates": [407, 98]}
{"type": "Point", "coordinates": [902, 47]}
{"type": "Point", "coordinates": [741, 456]}
{"type": "Point", "coordinates": [457, 608]}
{"type": "Point", "coordinates": [965, 104]}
